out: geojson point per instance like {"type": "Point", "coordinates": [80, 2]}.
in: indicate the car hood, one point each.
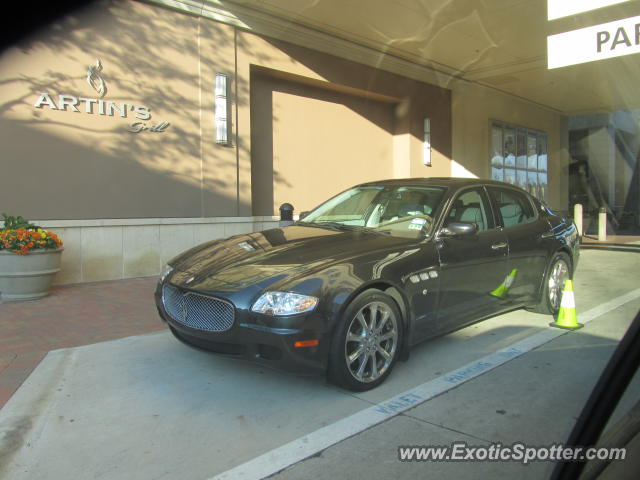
{"type": "Point", "coordinates": [263, 258]}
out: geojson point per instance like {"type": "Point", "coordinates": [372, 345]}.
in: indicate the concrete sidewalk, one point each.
{"type": "Point", "coordinates": [71, 316]}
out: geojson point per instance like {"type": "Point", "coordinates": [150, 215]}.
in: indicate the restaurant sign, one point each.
{"type": "Point", "coordinates": [140, 114]}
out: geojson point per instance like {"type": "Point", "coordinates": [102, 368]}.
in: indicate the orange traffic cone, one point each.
{"type": "Point", "coordinates": [567, 317]}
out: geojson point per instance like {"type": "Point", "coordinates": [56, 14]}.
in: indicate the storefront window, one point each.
{"type": "Point", "coordinates": [519, 157]}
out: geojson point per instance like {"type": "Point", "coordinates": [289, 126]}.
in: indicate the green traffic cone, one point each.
{"type": "Point", "coordinates": [567, 317]}
{"type": "Point", "coordinates": [503, 289]}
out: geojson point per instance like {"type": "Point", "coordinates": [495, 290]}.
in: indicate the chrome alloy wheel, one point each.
{"type": "Point", "coordinates": [371, 342]}
{"type": "Point", "coordinates": [559, 273]}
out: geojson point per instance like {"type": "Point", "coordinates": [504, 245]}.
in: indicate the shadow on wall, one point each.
{"type": "Point", "coordinates": [52, 178]}
{"type": "Point", "coordinates": [430, 34]}
{"type": "Point", "coordinates": [413, 100]}
{"type": "Point", "coordinates": [356, 148]}
{"type": "Point", "coordinates": [167, 61]}
{"type": "Point", "coordinates": [84, 165]}
{"type": "Point", "coordinates": [308, 143]}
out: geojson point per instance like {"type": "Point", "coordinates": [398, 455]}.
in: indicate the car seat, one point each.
{"type": "Point", "coordinates": [473, 214]}
{"type": "Point", "coordinates": [511, 214]}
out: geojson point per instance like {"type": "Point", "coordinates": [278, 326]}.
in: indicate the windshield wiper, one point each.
{"type": "Point", "coordinates": [330, 225]}
{"type": "Point", "coordinates": [312, 224]}
{"type": "Point", "coordinates": [344, 227]}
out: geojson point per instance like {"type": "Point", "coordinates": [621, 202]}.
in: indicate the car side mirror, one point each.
{"type": "Point", "coordinates": [303, 214]}
{"type": "Point", "coordinates": [458, 229]}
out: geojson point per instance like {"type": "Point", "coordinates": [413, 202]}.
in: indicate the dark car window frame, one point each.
{"type": "Point", "coordinates": [496, 209]}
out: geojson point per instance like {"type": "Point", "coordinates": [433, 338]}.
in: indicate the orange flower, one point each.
{"type": "Point", "coordinates": [23, 240]}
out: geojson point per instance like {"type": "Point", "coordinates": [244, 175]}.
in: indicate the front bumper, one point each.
{"type": "Point", "coordinates": [259, 338]}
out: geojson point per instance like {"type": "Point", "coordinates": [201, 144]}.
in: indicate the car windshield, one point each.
{"type": "Point", "coordinates": [405, 211]}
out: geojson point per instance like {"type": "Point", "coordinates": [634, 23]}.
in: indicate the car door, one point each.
{"type": "Point", "coordinates": [472, 266]}
{"type": "Point", "coordinates": [527, 248]}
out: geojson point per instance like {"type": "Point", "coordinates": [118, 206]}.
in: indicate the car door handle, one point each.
{"type": "Point", "coordinates": [498, 246]}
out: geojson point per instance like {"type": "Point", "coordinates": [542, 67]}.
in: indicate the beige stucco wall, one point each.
{"type": "Point", "coordinates": [164, 62]}
{"type": "Point", "coordinates": [89, 165]}
{"type": "Point", "coordinates": [405, 103]}
{"type": "Point", "coordinates": [473, 109]}
{"type": "Point", "coordinates": [123, 203]}
{"type": "Point", "coordinates": [309, 143]}
{"type": "Point", "coordinates": [339, 141]}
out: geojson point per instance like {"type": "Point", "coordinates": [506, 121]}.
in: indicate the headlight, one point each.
{"type": "Point", "coordinates": [284, 303]}
{"type": "Point", "coordinates": [165, 271]}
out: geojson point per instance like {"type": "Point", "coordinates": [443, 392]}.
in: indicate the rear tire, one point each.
{"type": "Point", "coordinates": [366, 343]}
{"type": "Point", "coordinates": [559, 270]}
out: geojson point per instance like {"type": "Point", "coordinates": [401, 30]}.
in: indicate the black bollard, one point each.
{"type": "Point", "coordinates": [286, 214]}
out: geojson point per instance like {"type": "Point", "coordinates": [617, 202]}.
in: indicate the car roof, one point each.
{"type": "Point", "coordinates": [439, 181]}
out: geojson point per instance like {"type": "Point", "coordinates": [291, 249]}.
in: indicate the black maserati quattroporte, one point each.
{"type": "Point", "coordinates": [352, 286]}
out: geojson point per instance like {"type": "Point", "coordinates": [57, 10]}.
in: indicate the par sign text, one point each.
{"type": "Point", "coordinates": [613, 39]}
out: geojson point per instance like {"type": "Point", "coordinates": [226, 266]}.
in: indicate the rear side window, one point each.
{"type": "Point", "coordinates": [514, 207]}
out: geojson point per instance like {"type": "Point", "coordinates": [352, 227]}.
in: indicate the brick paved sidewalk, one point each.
{"type": "Point", "coordinates": [73, 315]}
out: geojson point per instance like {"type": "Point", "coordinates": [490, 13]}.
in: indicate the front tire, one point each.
{"type": "Point", "coordinates": [366, 343]}
{"type": "Point", "coordinates": [558, 272]}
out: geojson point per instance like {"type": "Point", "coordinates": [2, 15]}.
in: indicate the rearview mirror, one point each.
{"type": "Point", "coordinates": [458, 229]}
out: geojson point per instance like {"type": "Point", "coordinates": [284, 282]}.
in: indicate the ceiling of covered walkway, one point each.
{"type": "Point", "coordinates": [501, 44]}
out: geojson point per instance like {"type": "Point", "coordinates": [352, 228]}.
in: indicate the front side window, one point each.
{"type": "Point", "coordinates": [470, 207]}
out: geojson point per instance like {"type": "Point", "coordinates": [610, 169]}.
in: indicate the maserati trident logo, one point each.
{"type": "Point", "coordinates": [95, 80]}
{"type": "Point", "coordinates": [183, 311]}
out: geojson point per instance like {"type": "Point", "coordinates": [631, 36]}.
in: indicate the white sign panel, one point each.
{"type": "Point", "coordinates": [607, 40]}
{"type": "Point", "coordinates": [564, 8]}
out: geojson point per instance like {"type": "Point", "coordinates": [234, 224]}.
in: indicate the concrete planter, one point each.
{"type": "Point", "coordinates": [26, 277]}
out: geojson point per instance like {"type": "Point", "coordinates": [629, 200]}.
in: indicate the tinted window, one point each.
{"type": "Point", "coordinates": [514, 207]}
{"type": "Point", "coordinates": [470, 207]}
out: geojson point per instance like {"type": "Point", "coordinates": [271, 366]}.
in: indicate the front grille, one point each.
{"type": "Point", "coordinates": [196, 310]}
